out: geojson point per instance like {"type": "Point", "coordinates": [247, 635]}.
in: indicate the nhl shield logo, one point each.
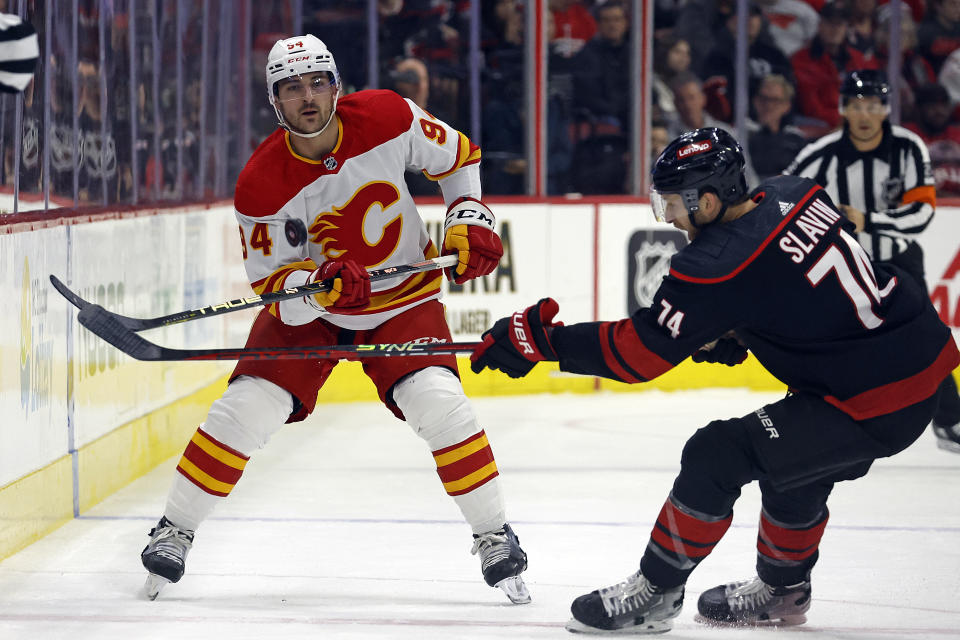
{"type": "Point", "coordinates": [330, 163]}
{"type": "Point", "coordinates": [892, 191]}
{"type": "Point", "coordinates": [653, 264]}
{"type": "Point", "coordinates": [648, 262]}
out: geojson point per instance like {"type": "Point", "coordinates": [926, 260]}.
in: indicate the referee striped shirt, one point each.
{"type": "Point", "coordinates": [892, 185]}
{"type": "Point", "coordinates": [19, 51]}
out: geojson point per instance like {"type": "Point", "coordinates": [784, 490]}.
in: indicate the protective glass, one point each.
{"type": "Point", "coordinates": [667, 206]}
{"type": "Point", "coordinates": [297, 88]}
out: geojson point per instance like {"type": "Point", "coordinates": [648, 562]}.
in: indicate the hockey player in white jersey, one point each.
{"type": "Point", "coordinates": [324, 197]}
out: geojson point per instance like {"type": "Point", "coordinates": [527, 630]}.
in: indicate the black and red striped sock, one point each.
{"type": "Point", "coordinates": [680, 540]}
{"type": "Point", "coordinates": [786, 553]}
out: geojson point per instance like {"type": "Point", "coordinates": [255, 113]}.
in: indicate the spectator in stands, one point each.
{"type": "Point", "coordinates": [691, 104]}
{"type": "Point", "coordinates": [659, 139]}
{"type": "Point", "coordinates": [504, 164]}
{"type": "Point", "coordinates": [698, 22]}
{"type": "Point", "coordinates": [772, 141]}
{"type": "Point", "coordinates": [860, 34]}
{"type": "Point", "coordinates": [915, 71]}
{"type": "Point", "coordinates": [793, 23]}
{"type": "Point", "coordinates": [940, 32]}
{"type": "Point", "coordinates": [573, 26]}
{"type": "Point", "coordinates": [501, 24]}
{"type": "Point", "coordinates": [821, 67]}
{"type": "Point", "coordinates": [602, 69]}
{"type": "Point", "coordinates": [763, 59]}
{"type": "Point", "coordinates": [671, 57]}
{"type": "Point", "coordinates": [410, 78]}
{"type": "Point", "coordinates": [949, 77]}
{"type": "Point", "coordinates": [98, 162]}
{"type": "Point", "coordinates": [942, 138]}
{"type": "Point", "coordinates": [602, 99]}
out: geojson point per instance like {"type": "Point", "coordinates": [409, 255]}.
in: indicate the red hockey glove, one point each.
{"type": "Point", "coordinates": [514, 344]}
{"type": "Point", "coordinates": [350, 285]}
{"type": "Point", "coordinates": [726, 351]}
{"type": "Point", "coordinates": [468, 232]}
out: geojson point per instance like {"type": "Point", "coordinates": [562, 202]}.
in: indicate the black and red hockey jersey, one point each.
{"type": "Point", "coordinates": [801, 294]}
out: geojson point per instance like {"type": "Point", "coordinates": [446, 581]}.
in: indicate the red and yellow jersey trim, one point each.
{"type": "Point", "coordinates": [414, 289]}
{"type": "Point", "coordinates": [274, 282]}
{"type": "Point", "coordinates": [467, 154]}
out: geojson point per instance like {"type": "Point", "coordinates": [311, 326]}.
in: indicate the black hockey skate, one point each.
{"type": "Point", "coordinates": [632, 606]}
{"type": "Point", "coordinates": [502, 561]}
{"type": "Point", "coordinates": [948, 438]}
{"type": "Point", "coordinates": [165, 556]}
{"type": "Point", "coordinates": [754, 602]}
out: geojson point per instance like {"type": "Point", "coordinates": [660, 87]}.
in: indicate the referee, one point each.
{"type": "Point", "coordinates": [19, 50]}
{"type": "Point", "coordinates": [879, 175]}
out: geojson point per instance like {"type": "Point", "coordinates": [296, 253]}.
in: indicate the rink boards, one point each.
{"type": "Point", "coordinates": [80, 420]}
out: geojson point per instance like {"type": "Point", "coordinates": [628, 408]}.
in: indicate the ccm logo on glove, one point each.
{"type": "Point", "coordinates": [468, 233]}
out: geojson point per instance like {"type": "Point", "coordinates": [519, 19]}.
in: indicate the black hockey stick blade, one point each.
{"type": "Point", "coordinates": [142, 324]}
{"type": "Point", "coordinates": [71, 297]}
{"type": "Point", "coordinates": [104, 324]}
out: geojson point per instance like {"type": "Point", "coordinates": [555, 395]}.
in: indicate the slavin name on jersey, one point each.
{"type": "Point", "coordinates": [813, 223]}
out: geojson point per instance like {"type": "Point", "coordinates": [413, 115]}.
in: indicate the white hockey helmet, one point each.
{"type": "Point", "coordinates": [299, 56]}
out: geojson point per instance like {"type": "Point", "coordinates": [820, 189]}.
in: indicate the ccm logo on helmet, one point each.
{"type": "Point", "coordinates": [694, 148]}
{"type": "Point", "coordinates": [289, 60]}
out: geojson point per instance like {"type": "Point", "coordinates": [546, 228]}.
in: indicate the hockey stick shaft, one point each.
{"type": "Point", "coordinates": [142, 324]}
{"type": "Point", "coordinates": [105, 324]}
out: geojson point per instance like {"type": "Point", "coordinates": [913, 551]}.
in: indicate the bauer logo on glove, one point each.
{"type": "Point", "coordinates": [513, 345]}
{"type": "Point", "coordinates": [468, 233]}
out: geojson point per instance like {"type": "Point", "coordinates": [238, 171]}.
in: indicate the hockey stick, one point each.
{"type": "Point", "coordinates": [141, 324]}
{"type": "Point", "coordinates": [107, 326]}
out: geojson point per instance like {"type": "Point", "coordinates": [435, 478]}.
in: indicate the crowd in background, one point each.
{"type": "Point", "coordinates": [799, 51]}
{"type": "Point", "coordinates": [163, 137]}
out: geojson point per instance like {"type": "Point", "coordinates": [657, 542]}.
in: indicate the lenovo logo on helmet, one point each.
{"type": "Point", "coordinates": [694, 148]}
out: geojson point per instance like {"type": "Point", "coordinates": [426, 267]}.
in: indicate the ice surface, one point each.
{"type": "Point", "coordinates": [340, 529]}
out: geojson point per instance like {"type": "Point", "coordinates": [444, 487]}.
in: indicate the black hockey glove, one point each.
{"type": "Point", "coordinates": [726, 351]}
{"type": "Point", "coordinates": [516, 343]}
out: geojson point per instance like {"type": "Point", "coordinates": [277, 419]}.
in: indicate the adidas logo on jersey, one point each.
{"type": "Point", "coordinates": [785, 207]}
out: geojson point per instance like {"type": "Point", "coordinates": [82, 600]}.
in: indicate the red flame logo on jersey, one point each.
{"type": "Point", "coordinates": [694, 148]}
{"type": "Point", "coordinates": [340, 232]}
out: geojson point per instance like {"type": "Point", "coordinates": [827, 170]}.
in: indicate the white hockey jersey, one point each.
{"type": "Point", "coordinates": [353, 203]}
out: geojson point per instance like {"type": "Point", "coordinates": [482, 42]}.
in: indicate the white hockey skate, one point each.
{"type": "Point", "coordinates": [633, 606]}
{"type": "Point", "coordinates": [165, 556]}
{"type": "Point", "coordinates": [502, 561]}
{"type": "Point", "coordinates": [754, 602]}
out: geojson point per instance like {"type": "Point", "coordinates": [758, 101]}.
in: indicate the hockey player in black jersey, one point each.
{"type": "Point", "coordinates": [879, 176]}
{"type": "Point", "coordinates": [775, 271]}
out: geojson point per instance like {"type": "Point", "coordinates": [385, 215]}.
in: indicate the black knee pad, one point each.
{"type": "Point", "coordinates": [715, 464]}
